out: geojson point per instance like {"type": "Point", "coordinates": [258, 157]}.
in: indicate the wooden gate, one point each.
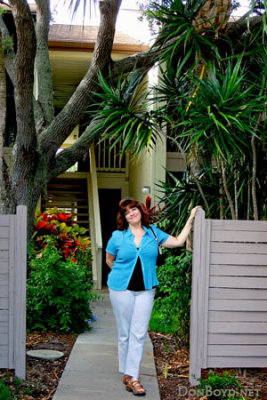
{"type": "Point", "coordinates": [229, 297]}
{"type": "Point", "coordinates": [13, 242]}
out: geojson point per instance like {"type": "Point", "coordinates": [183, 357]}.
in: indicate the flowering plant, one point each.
{"type": "Point", "coordinates": [154, 212]}
{"type": "Point", "coordinates": [59, 227]}
{"type": "Point", "coordinates": [59, 284]}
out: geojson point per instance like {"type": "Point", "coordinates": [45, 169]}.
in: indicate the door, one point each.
{"type": "Point", "coordinates": [108, 201]}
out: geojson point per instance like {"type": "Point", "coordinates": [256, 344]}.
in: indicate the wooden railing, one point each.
{"type": "Point", "coordinates": [108, 157]}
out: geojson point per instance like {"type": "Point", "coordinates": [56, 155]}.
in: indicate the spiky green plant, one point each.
{"type": "Point", "coordinates": [177, 27]}
{"type": "Point", "coordinates": [122, 113]}
{"type": "Point", "coordinates": [222, 117]}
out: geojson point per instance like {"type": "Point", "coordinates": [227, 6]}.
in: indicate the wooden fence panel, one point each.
{"type": "Point", "coordinates": [230, 282]}
{"type": "Point", "coordinates": [13, 244]}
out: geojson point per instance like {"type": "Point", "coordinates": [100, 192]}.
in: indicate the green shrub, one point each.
{"type": "Point", "coordinates": [58, 290]}
{"type": "Point", "coordinates": [5, 393]}
{"type": "Point", "coordinates": [59, 284]}
{"type": "Point", "coordinates": [224, 387]}
{"type": "Point", "coordinates": [171, 309]}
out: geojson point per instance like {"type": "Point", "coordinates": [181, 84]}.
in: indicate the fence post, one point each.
{"type": "Point", "coordinates": [20, 292]}
{"type": "Point", "coordinates": [199, 297]}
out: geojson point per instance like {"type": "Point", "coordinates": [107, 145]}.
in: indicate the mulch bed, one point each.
{"type": "Point", "coordinates": [172, 365]}
{"type": "Point", "coordinates": [42, 375]}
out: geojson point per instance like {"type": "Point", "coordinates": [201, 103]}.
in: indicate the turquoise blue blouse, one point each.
{"type": "Point", "coordinates": [122, 246]}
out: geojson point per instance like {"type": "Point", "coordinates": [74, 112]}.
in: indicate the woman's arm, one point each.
{"type": "Point", "coordinates": [179, 241]}
{"type": "Point", "coordinates": [110, 259]}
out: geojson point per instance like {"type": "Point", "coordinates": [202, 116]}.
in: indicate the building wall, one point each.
{"type": "Point", "coordinates": [147, 171]}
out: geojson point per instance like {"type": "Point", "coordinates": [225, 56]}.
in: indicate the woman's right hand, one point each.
{"type": "Point", "coordinates": [110, 259]}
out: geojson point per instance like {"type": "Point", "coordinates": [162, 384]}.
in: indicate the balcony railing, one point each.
{"type": "Point", "coordinates": [108, 157]}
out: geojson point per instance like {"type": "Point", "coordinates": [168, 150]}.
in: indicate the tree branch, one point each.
{"type": "Point", "coordinates": [10, 64]}
{"type": "Point", "coordinates": [42, 62]}
{"type": "Point", "coordinates": [67, 157]}
{"type": "Point", "coordinates": [62, 125]}
{"type": "Point", "coordinates": [238, 27]}
{"type": "Point", "coordinates": [10, 54]}
{"type": "Point", "coordinates": [148, 58]}
{"type": "Point", "coordinates": [144, 60]}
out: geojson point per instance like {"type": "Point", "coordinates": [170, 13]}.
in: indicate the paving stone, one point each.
{"type": "Point", "coordinates": [45, 354]}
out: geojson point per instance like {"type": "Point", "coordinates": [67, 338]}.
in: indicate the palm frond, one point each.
{"type": "Point", "coordinates": [75, 5]}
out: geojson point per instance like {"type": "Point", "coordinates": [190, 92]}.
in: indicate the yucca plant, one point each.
{"type": "Point", "coordinates": [122, 113]}
{"type": "Point", "coordinates": [179, 26]}
{"type": "Point", "coordinates": [179, 195]}
{"type": "Point", "coordinates": [221, 117]}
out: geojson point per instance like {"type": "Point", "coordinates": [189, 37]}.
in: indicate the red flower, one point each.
{"type": "Point", "coordinates": [67, 252]}
{"type": "Point", "coordinates": [148, 202]}
{"type": "Point", "coordinates": [154, 212]}
{"type": "Point", "coordinates": [40, 225]}
{"type": "Point", "coordinates": [45, 226]}
{"type": "Point", "coordinates": [63, 217]}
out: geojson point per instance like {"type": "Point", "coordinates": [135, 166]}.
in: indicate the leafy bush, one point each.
{"type": "Point", "coordinates": [5, 393]}
{"type": "Point", "coordinates": [68, 235]}
{"type": "Point", "coordinates": [172, 304]}
{"type": "Point", "coordinates": [60, 279]}
{"type": "Point", "coordinates": [221, 387]}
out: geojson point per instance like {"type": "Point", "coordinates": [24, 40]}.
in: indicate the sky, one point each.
{"type": "Point", "coordinates": [127, 21]}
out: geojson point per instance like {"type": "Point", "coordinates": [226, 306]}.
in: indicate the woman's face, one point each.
{"type": "Point", "coordinates": [133, 216]}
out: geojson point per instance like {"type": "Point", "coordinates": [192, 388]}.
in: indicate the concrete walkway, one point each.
{"type": "Point", "coordinates": [91, 371]}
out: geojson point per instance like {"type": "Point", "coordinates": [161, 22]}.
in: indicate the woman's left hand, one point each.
{"type": "Point", "coordinates": [193, 212]}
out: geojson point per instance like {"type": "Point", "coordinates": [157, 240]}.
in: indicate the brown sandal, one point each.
{"type": "Point", "coordinates": [126, 379]}
{"type": "Point", "coordinates": [135, 387]}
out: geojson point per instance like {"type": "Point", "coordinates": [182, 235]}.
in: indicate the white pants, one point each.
{"type": "Point", "coordinates": [132, 311]}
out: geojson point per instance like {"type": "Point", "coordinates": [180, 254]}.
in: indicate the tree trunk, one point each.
{"type": "Point", "coordinates": [2, 103]}
{"type": "Point", "coordinates": [226, 190]}
{"type": "Point", "coordinates": [3, 191]}
{"type": "Point", "coordinates": [254, 179]}
{"type": "Point", "coordinates": [235, 190]}
{"type": "Point", "coordinates": [198, 185]}
{"type": "Point", "coordinates": [221, 208]}
{"type": "Point", "coordinates": [24, 150]}
{"type": "Point", "coordinates": [248, 200]}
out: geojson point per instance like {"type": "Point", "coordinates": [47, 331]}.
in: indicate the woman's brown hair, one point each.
{"type": "Point", "coordinates": [125, 205]}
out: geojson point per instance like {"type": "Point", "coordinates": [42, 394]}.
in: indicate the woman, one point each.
{"type": "Point", "coordinates": [131, 254]}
